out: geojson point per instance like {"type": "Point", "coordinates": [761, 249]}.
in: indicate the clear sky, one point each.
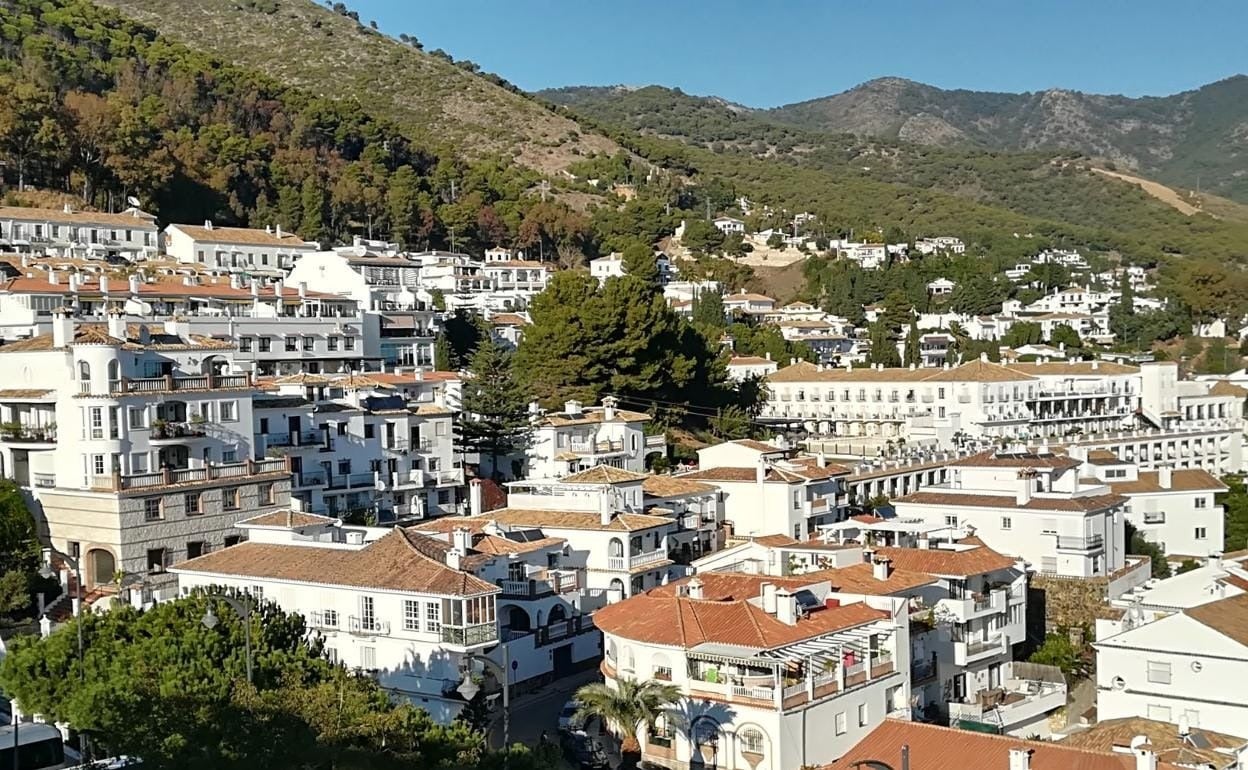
{"type": "Point", "coordinates": [769, 52]}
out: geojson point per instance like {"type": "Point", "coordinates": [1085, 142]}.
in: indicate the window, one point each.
{"type": "Point", "coordinates": [370, 430]}
{"type": "Point", "coordinates": [862, 715]}
{"type": "Point", "coordinates": [114, 421]}
{"type": "Point", "coordinates": [1158, 672]}
{"type": "Point", "coordinates": [97, 421]}
{"type": "Point", "coordinates": [332, 343]}
{"type": "Point", "coordinates": [75, 548]}
{"type": "Point", "coordinates": [229, 454]}
{"type": "Point", "coordinates": [233, 540]}
{"type": "Point", "coordinates": [1200, 533]}
{"type": "Point", "coordinates": [138, 462]}
{"type": "Point", "coordinates": [156, 559]}
{"type": "Point", "coordinates": [138, 417]}
{"type": "Point", "coordinates": [1158, 713]}
{"type": "Point", "coordinates": [228, 411]}
{"type": "Point", "coordinates": [329, 618]}
{"type": "Point", "coordinates": [309, 344]}
{"type": "Point", "coordinates": [97, 465]}
{"type": "Point", "coordinates": [292, 344]}
{"type": "Point", "coordinates": [842, 725]}
{"type": "Point", "coordinates": [751, 740]}
{"type": "Point", "coordinates": [368, 657]}
{"type": "Point", "coordinates": [229, 499]}
{"type": "Point", "coordinates": [1007, 522]}
{"type": "Point", "coordinates": [244, 344]}
{"type": "Point", "coordinates": [433, 616]}
{"type": "Point", "coordinates": [190, 504]}
{"type": "Point", "coordinates": [1202, 502]}
{"type": "Point", "coordinates": [344, 467]}
{"type": "Point", "coordinates": [257, 591]}
{"type": "Point", "coordinates": [951, 521]}
{"type": "Point", "coordinates": [152, 509]}
{"type": "Point", "coordinates": [348, 343]}
{"type": "Point", "coordinates": [266, 494]}
{"type": "Point", "coordinates": [411, 615]}
{"type": "Point", "coordinates": [266, 344]}
{"type": "Point", "coordinates": [368, 613]}
{"type": "Point", "coordinates": [196, 548]}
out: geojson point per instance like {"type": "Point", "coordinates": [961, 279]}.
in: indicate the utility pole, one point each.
{"type": "Point", "coordinates": [545, 188]}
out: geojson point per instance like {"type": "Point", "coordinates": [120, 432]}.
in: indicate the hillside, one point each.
{"type": "Point", "coordinates": [323, 52]}
{"type": "Point", "coordinates": [1186, 139]}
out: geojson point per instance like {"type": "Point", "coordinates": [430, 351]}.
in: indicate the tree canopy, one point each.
{"type": "Point", "coordinates": [494, 420]}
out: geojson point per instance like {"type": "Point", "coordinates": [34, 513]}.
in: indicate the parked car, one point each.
{"type": "Point", "coordinates": [582, 751]}
{"type": "Point", "coordinates": [568, 720]}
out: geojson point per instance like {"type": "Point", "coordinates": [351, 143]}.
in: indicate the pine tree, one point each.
{"type": "Point", "coordinates": [442, 353]}
{"type": "Point", "coordinates": [494, 421]}
{"type": "Point", "coordinates": [883, 349]}
{"type": "Point", "coordinates": [639, 261]}
{"type": "Point", "coordinates": [708, 311]}
{"type": "Point", "coordinates": [912, 344]}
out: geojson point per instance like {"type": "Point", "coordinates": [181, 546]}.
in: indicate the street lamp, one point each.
{"type": "Point", "coordinates": [469, 689]}
{"type": "Point", "coordinates": [242, 609]}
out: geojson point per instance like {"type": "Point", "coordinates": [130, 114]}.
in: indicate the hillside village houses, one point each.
{"type": "Point", "coordinates": [129, 235]}
{"type": "Point", "coordinates": [269, 251]}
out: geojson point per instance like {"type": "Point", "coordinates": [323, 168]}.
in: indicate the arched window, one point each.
{"type": "Point", "coordinates": [114, 371]}
{"type": "Point", "coordinates": [611, 650]}
{"type": "Point", "coordinates": [84, 371]}
{"type": "Point", "coordinates": [752, 740]}
{"type": "Point", "coordinates": [615, 547]}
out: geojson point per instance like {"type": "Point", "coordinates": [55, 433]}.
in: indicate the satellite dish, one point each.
{"type": "Point", "coordinates": [133, 201]}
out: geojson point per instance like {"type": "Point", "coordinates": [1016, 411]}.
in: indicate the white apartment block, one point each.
{"type": "Point", "coordinates": [1033, 506]}
{"type": "Point", "coordinates": [269, 251]}
{"type": "Point", "coordinates": [749, 303]}
{"type": "Point", "coordinates": [1144, 413]}
{"type": "Point", "coordinates": [944, 243]}
{"type": "Point", "coordinates": [741, 368]}
{"type": "Point", "coordinates": [1184, 668]}
{"type": "Point", "coordinates": [582, 437]}
{"type": "Point", "coordinates": [756, 658]}
{"type": "Point", "coordinates": [136, 448]}
{"type": "Point", "coordinates": [377, 280]}
{"type": "Point", "coordinates": [379, 445]}
{"type": "Point", "coordinates": [729, 225]}
{"type": "Point", "coordinates": [514, 273]}
{"type": "Point", "coordinates": [400, 605]}
{"type": "Point", "coordinates": [1177, 509]}
{"type": "Point", "coordinates": [130, 235]}
{"type": "Point", "coordinates": [770, 490]}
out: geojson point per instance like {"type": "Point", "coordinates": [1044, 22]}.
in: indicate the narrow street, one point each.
{"type": "Point", "coordinates": [538, 711]}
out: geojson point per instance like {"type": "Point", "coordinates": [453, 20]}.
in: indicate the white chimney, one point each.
{"type": "Point", "coordinates": [1095, 364]}
{"type": "Point", "coordinates": [768, 355]}
{"type": "Point", "coordinates": [605, 509]}
{"type": "Point", "coordinates": [461, 540]}
{"type": "Point", "coordinates": [769, 598]}
{"type": "Point", "coordinates": [117, 324]}
{"type": "Point", "coordinates": [268, 229]}
{"type": "Point", "coordinates": [923, 542]}
{"type": "Point", "coordinates": [821, 460]}
{"type": "Point", "coordinates": [278, 287]}
{"type": "Point", "coordinates": [279, 231]}
{"type": "Point", "coordinates": [882, 568]}
{"type": "Point", "coordinates": [1145, 757]}
{"type": "Point", "coordinates": [608, 408]}
{"type": "Point", "coordinates": [134, 285]}
{"type": "Point", "coordinates": [53, 278]}
{"type": "Point", "coordinates": [1165, 477]}
{"type": "Point", "coordinates": [1020, 759]}
{"type": "Point", "coordinates": [73, 283]}
{"type": "Point", "coordinates": [694, 588]}
{"type": "Point", "coordinates": [786, 607]}
{"type": "Point", "coordinates": [1022, 495]}
{"type": "Point", "coordinates": [474, 497]}
{"type": "Point", "coordinates": [235, 281]}
{"type": "Point", "coordinates": [62, 327]}
{"type": "Point", "coordinates": [572, 408]}
{"type": "Point", "coordinates": [303, 289]}
{"type": "Point", "coordinates": [68, 208]}
{"type": "Point", "coordinates": [760, 470]}
{"type": "Point", "coordinates": [207, 224]}
{"type": "Point", "coordinates": [255, 287]}
{"type": "Point", "coordinates": [104, 285]}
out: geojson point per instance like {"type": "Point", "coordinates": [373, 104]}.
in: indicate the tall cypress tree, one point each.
{"type": "Point", "coordinates": [912, 344]}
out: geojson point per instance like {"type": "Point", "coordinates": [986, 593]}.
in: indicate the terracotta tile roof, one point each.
{"type": "Point", "coordinates": [994, 459]}
{"type": "Point", "coordinates": [1224, 388]}
{"type": "Point", "coordinates": [508, 319]}
{"type": "Point", "coordinates": [431, 410]}
{"type": "Point", "coordinates": [1228, 617]}
{"type": "Point", "coordinates": [946, 562]}
{"type": "Point", "coordinates": [286, 520]}
{"type": "Point", "coordinates": [1086, 503]}
{"type": "Point", "coordinates": [444, 524]}
{"type": "Point", "coordinates": [748, 297]}
{"type": "Point", "coordinates": [247, 236]}
{"type": "Point", "coordinates": [122, 221]}
{"type": "Point", "coordinates": [973, 371]}
{"type": "Point", "coordinates": [83, 335]}
{"type": "Point", "coordinates": [395, 562]}
{"type": "Point", "coordinates": [977, 371]}
{"type": "Point", "coordinates": [501, 546]}
{"type": "Point", "coordinates": [1058, 368]}
{"type": "Point", "coordinates": [590, 416]}
{"type": "Point", "coordinates": [19, 393]}
{"type": "Point", "coordinates": [1104, 457]}
{"type": "Point", "coordinates": [678, 621]}
{"type": "Point", "coordinates": [749, 361]}
{"type": "Point", "coordinates": [1181, 480]}
{"type": "Point", "coordinates": [761, 446]}
{"type": "Point", "coordinates": [207, 287]}
{"type": "Point", "coordinates": [801, 470]}
{"type": "Point", "coordinates": [946, 748]}
{"type": "Point", "coordinates": [673, 486]}
{"type": "Point", "coordinates": [603, 474]}
{"type": "Point", "coordinates": [860, 579]}
{"type": "Point", "coordinates": [537, 519]}
{"type": "Point", "coordinates": [774, 541]}
{"type": "Point", "coordinates": [1110, 734]}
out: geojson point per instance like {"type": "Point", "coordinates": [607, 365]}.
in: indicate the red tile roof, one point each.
{"type": "Point", "coordinates": [946, 562]}
{"type": "Point", "coordinates": [1086, 503]}
{"type": "Point", "coordinates": [994, 459]}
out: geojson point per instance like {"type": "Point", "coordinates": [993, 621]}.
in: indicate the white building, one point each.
{"type": "Point", "coordinates": [130, 235]}
{"type": "Point", "coordinates": [269, 251]}
{"type": "Point", "coordinates": [729, 225]}
{"type": "Point", "coordinates": [513, 273]}
{"type": "Point", "coordinates": [940, 287]}
{"type": "Point", "coordinates": [610, 266]}
{"type": "Point", "coordinates": [582, 437]}
{"type": "Point", "coordinates": [742, 368]}
{"type": "Point", "coordinates": [749, 303]}
{"type": "Point", "coordinates": [1187, 667]}
{"type": "Point", "coordinates": [756, 658]}
{"type": "Point", "coordinates": [376, 280]}
{"type": "Point", "coordinates": [944, 243]}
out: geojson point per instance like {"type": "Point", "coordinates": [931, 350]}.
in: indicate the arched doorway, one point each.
{"type": "Point", "coordinates": [704, 743]}
{"type": "Point", "coordinates": [516, 620]}
{"type": "Point", "coordinates": [557, 614]}
{"type": "Point", "coordinates": [101, 566]}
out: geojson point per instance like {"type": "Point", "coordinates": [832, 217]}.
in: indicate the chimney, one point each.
{"type": "Point", "coordinates": [1022, 495]}
{"type": "Point", "coordinates": [786, 607]}
{"type": "Point", "coordinates": [134, 285]}
{"type": "Point", "coordinates": [882, 568]}
{"type": "Point", "coordinates": [923, 542]}
{"type": "Point", "coordinates": [461, 540]}
{"type": "Point", "coordinates": [1020, 759]}
{"type": "Point", "coordinates": [1185, 728]}
{"type": "Point", "coordinates": [608, 408]}
{"type": "Point", "coordinates": [769, 598]}
{"type": "Point", "coordinates": [104, 285]}
{"type": "Point", "coordinates": [62, 327]}
{"type": "Point", "coordinates": [1145, 758]}
{"type": "Point", "coordinates": [268, 229]}
{"type": "Point", "coordinates": [983, 357]}
{"type": "Point", "coordinates": [760, 470]}
{"type": "Point", "coordinates": [822, 460]}
{"type": "Point", "coordinates": [279, 231]}
{"type": "Point", "coordinates": [303, 289]}
{"type": "Point", "coordinates": [1165, 477]}
{"type": "Point", "coordinates": [604, 510]}
{"type": "Point", "coordinates": [694, 588]}
{"type": "Point", "coordinates": [68, 208]}
{"type": "Point", "coordinates": [53, 278]}
{"type": "Point", "coordinates": [278, 287]}
{"type": "Point", "coordinates": [73, 283]}
{"type": "Point", "coordinates": [255, 287]}
{"type": "Point", "coordinates": [474, 497]}
{"type": "Point", "coordinates": [572, 408]}
{"type": "Point", "coordinates": [207, 224]}
{"type": "Point", "coordinates": [768, 355]}
{"type": "Point", "coordinates": [117, 324]}
{"type": "Point", "coordinates": [235, 281]}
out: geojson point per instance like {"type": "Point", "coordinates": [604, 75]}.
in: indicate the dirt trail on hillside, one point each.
{"type": "Point", "coordinates": [1159, 191]}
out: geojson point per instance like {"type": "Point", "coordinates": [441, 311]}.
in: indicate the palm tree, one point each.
{"type": "Point", "coordinates": [625, 709]}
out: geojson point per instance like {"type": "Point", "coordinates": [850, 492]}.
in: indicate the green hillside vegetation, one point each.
{"type": "Point", "coordinates": [332, 52]}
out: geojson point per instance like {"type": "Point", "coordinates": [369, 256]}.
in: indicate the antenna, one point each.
{"type": "Point", "coordinates": [133, 201]}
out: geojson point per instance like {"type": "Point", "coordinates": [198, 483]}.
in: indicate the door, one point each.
{"type": "Point", "coordinates": [994, 676]}
{"type": "Point", "coordinates": [959, 687]}
{"type": "Point", "coordinates": [292, 424]}
{"type": "Point", "coordinates": [563, 661]}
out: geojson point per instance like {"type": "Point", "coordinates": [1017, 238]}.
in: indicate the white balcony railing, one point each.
{"type": "Point", "coordinates": [636, 560]}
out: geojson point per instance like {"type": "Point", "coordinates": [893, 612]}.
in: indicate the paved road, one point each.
{"type": "Point", "coordinates": [538, 711]}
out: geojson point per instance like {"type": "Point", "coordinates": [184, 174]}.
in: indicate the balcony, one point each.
{"type": "Point", "coordinates": [565, 629]}
{"type": "Point", "coordinates": [176, 431]}
{"type": "Point", "coordinates": [170, 383]}
{"type": "Point", "coordinates": [923, 670]}
{"type": "Point", "coordinates": [322, 620]}
{"type": "Point", "coordinates": [967, 652]}
{"type": "Point", "coordinates": [449, 478]}
{"type": "Point", "coordinates": [351, 480]}
{"type": "Point", "coordinates": [309, 479]}
{"type": "Point", "coordinates": [367, 626]}
{"type": "Point", "coordinates": [310, 438]}
{"type": "Point", "coordinates": [657, 441]}
{"type": "Point", "coordinates": [1020, 703]}
{"type": "Point", "coordinates": [596, 447]}
{"type": "Point", "coordinates": [1155, 518]}
{"type": "Point", "coordinates": [552, 582]}
{"type": "Point", "coordinates": [229, 473]}
{"type": "Point", "coordinates": [27, 434]}
{"type": "Point", "coordinates": [470, 636]}
{"type": "Point", "coordinates": [637, 560]}
{"type": "Point", "coordinates": [1090, 543]}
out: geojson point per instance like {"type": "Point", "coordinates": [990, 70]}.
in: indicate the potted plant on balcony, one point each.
{"type": "Point", "coordinates": [160, 428]}
{"type": "Point", "coordinates": [10, 429]}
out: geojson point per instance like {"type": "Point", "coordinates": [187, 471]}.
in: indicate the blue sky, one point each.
{"type": "Point", "coordinates": [764, 53]}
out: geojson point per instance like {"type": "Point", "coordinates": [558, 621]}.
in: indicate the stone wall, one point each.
{"type": "Point", "coordinates": [1062, 601]}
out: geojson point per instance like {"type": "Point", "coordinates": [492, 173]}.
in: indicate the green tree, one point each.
{"type": "Point", "coordinates": [1064, 335]}
{"type": "Point", "coordinates": [775, 240]}
{"type": "Point", "coordinates": [1057, 651]}
{"type": "Point", "coordinates": [639, 261]}
{"type": "Point", "coordinates": [314, 203]}
{"type": "Point", "coordinates": [441, 353]}
{"type": "Point", "coordinates": [883, 348]}
{"type": "Point", "coordinates": [19, 550]}
{"type": "Point", "coordinates": [1023, 333]}
{"type": "Point", "coordinates": [626, 709]}
{"type": "Point", "coordinates": [1235, 500]}
{"type": "Point", "coordinates": [701, 236]}
{"type": "Point", "coordinates": [1137, 545]}
{"type": "Point", "coordinates": [731, 423]}
{"type": "Point", "coordinates": [494, 421]}
{"type": "Point", "coordinates": [708, 311]}
{"type": "Point", "coordinates": [1218, 358]}
{"type": "Point", "coordinates": [463, 332]}
{"type": "Point", "coordinates": [912, 356]}
{"type": "Point", "coordinates": [976, 295]}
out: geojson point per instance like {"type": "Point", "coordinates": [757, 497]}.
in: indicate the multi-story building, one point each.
{"type": "Point", "coordinates": [364, 444]}
{"type": "Point", "coordinates": [1032, 505]}
{"type": "Point", "coordinates": [581, 437]}
{"type": "Point", "coordinates": [770, 490]}
{"type": "Point", "coordinates": [136, 448]}
{"type": "Point", "coordinates": [1145, 411]}
{"type": "Point", "coordinates": [697, 507]}
{"type": "Point", "coordinates": [1184, 668]}
{"type": "Point", "coordinates": [512, 273]}
{"type": "Point", "coordinates": [400, 605]}
{"type": "Point", "coordinates": [378, 279]}
{"type": "Point", "coordinates": [774, 672]}
{"type": "Point", "coordinates": [130, 235]}
{"type": "Point", "coordinates": [741, 368]}
{"type": "Point", "coordinates": [1175, 508]}
{"type": "Point", "coordinates": [264, 252]}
